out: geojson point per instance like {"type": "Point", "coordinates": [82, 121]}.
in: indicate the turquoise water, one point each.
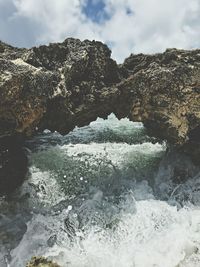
{"type": "Point", "coordinates": [104, 195]}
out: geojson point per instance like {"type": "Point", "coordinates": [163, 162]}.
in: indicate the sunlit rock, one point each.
{"type": "Point", "coordinates": [41, 262]}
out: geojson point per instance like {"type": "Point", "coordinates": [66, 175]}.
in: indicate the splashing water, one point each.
{"type": "Point", "coordinates": [105, 195]}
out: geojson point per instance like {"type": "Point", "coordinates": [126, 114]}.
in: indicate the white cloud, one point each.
{"type": "Point", "coordinates": [133, 26]}
{"type": "Point", "coordinates": [58, 18]}
{"type": "Point", "coordinates": [153, 26]}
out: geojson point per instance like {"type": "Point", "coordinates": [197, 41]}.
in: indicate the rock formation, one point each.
{"type": "Point", "coordinates": [163, 91]}
{"type": "Point", "coordinates": [72, 83]}
{"type": "Point", "coordinates": [56, 87]}
{"type": "Point", "coordinates": [52, 87]}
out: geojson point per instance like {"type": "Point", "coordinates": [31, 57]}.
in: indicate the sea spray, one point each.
{"type": "Point", "coordinates": [104, 195]}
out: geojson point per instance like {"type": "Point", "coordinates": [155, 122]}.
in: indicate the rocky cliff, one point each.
{"type": "Point", "coordinates": [163, 91]}
{"type": "Point", "coordinates": [72, 83]}
{"type": "Point", "coordinates": [56, 87]}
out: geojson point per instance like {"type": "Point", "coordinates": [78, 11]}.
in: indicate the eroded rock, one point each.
{"type": "Point", "coordinates": [163, 92]}
{"type": "Point", "coordinates": [56, 87]}
{"type": "Point", "coordinates": [70, 84]}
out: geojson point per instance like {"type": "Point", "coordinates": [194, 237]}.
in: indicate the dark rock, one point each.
{"type": "Point", "coordinates": [52, 240]}
{"type": "Point", "coordinates": [13, 163]}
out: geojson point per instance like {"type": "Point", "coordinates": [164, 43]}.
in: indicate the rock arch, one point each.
{"type": "Point", "coordinates": [72, 83]}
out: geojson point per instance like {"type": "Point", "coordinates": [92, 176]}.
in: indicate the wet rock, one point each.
{"type": "Point", "coordinates": [13, 163]}
{"type": "Point", "coordinates": [41, 262]}
{"type": "Point", "coordinates": [52, 240]}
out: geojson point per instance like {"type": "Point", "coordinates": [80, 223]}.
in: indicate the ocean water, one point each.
{"type": "Point", "coordinates": [105, 195]}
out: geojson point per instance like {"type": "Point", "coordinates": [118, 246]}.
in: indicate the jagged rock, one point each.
{"type": "Point", "coordinates": [24, 90]}
{"type": "Point", "coordinates": [41, 262]}
{"type": "Point", "coordinates": [56, 87]}
{"type": "Point", "coordinates": [163, 91]}
{"type": "Point", "coordinates": [70, 84]}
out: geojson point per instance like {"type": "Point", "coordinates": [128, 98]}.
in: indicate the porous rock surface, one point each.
{"type": "Point", "coordinates": [52, 87]}
{"type": "Point", "coordinates": [70, 84]}
{"type": "Point", "coordinates": [41, 262]}
{"type": "Point", "coordinates": [163, 91]}
{"type": "Point", "coordinates": [56, 87]}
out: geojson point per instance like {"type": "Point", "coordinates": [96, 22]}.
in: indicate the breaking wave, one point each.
{"type": "Point", "coordinates": [105, 195]}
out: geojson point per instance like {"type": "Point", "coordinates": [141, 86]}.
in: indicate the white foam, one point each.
{"type": "Point", "coordinates": [117, 152]}
{"type": "Point", "coordinates": [104, 226]}
{"type": "Point", "coordinates": [157, 234]}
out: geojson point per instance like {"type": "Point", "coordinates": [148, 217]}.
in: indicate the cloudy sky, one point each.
{"type": "Point", "coordinates": [127, 26]}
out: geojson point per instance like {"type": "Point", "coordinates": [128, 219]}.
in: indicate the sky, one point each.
{"type": "Point", "coordinates": [126, 26]}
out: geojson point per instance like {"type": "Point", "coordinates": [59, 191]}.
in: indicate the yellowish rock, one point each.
{"type": "Point", "coordinates": [41, 262]}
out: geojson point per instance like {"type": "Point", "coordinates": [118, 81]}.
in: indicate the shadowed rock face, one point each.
{"type": "Point", "coordinates": [163, 91]}
{"type": "Point", "coordinates": [13, 163]}
{"type": "Point", "coordinates": [72, 83]}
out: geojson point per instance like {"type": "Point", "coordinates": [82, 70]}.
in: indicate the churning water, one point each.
{"type": "Point", "coordinates": [105, 195]}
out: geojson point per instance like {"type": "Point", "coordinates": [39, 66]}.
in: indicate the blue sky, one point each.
{"type": "Point", "coordinates": [95, 10]}
{"type": "Point", "coordinates": [127, 26]}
